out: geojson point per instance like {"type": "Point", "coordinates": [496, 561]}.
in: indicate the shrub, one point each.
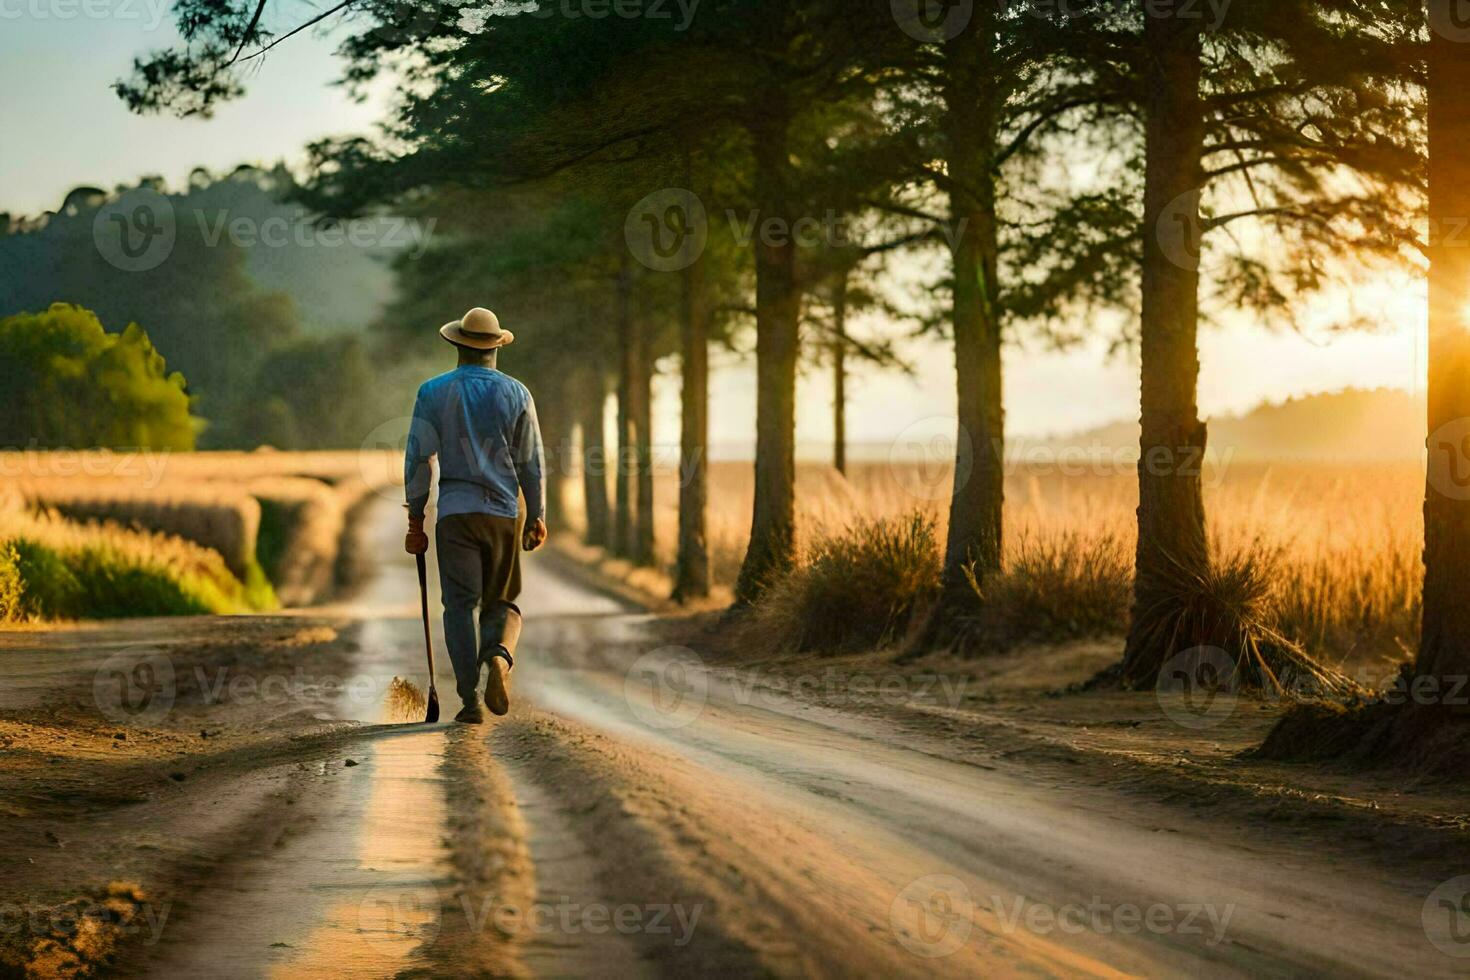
{"type": "Point", "coordinates": [49, 589]}
{"type": "Point", "coordinates": [1061, 587]}
{"type": "Point", "coordinates": [69, 383]}
{"type": "Point", "coordinates": [11, 586]}
{"type": "Point", "coordinates": [858, 589]}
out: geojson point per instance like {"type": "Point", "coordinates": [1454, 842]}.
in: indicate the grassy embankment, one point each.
{"type": "Point", "coordinates": [203, 533]}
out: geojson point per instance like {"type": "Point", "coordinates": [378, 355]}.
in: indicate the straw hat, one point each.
{"type": "Point", "coordinates": [479, 328]}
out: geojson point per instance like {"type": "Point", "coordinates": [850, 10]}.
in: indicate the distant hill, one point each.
{"type": "Point", "coordinates": [337, 281]}
{"type": "Point", "coordinates": [1352, 425]}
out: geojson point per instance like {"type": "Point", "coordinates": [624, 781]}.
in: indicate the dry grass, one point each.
{"type": "Point", "coordinates": [1343, 540]}
{"type": "Point", "coordinates": [857, 590]}
{"type": "Point", "coordinates": [1063, 586]}
{"type": "Point", "coordinates": [216, 515]}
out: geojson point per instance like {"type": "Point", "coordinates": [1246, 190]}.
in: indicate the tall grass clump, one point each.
{"type": "Point", "coordinates": [857, 589]}
{"type": "Point", "coordinates": [11, 586]}
{"type": "Point", "coordinates": [1064, 586]}
{"type": "Point", "coordinates": [93, 571]}
{"type": "Point", "coordinates": [1230, 607]}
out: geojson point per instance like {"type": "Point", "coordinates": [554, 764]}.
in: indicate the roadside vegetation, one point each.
{"type": "Point", "coordinates": [1345, 588]}
{"type": "Point", "coordinates": [218, 533]}
{"type": "Point", "coordinates": [64, 570]}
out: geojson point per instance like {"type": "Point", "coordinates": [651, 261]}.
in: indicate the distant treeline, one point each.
{"type": "Point", "coordinates": [257, 308]}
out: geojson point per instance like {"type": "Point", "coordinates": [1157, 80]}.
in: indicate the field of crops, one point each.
{"type": "Point", "coordinates": [99, 534]}
{"type": "Point", "coordinates": [1342, 541]}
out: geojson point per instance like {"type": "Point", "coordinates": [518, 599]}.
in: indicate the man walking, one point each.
{"type": "Point", "coordinates": [481, 426]}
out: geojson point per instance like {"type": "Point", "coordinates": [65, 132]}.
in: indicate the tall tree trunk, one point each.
{"type": "Point", "coordinates": [772, 547]}
{"type": "Point", "coordinates": [839, 373]}
{"type": "Point", "coordinates": [641, 546]}
{"type": "Point", "coordinates": [979, 483]}
{"type": "Point", "coordinates": [1444, 645]}
{"type": "Point", "coordinates": [622, 536]}
{"type": "Point", "coordinates": [691, 574]}
{"type": "Point", "coordinates": [594, 459]}
{"type": "Point", "coordinates": [555, 434]}
{"type": "Point", "coordinates": [1172, 547]}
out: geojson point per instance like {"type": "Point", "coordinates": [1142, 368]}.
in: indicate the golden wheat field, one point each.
{"type": "Point", "coordinates": [1343, 539]}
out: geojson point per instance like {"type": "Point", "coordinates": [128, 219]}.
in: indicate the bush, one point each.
{"type": "Point", "coordinates": [1064, 587]}
{"type": "Point", "coordinates": [859, 589]}
{"type": "Point", "coordinates": [49, 589]}
{"type": "Point", "coordinates": [69, 383]}
{"type": "Point", "coordinates": [10, 584]}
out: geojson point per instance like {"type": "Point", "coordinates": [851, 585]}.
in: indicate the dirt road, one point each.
{"type": "Point", "coordinates": [638, 815]}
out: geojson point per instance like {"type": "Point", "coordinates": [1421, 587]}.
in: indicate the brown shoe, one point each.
{"type": "Point", "coordinates": [470, 714]}
{"type": "Point", "coordinates": [497, 683]}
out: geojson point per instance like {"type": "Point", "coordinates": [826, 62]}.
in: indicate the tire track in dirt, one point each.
{"type": "Point", "coordinates": [776, 893]}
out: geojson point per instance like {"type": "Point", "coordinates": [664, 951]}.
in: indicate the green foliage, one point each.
{"type": "Point", "coordinates": [99, 581]}
{"type": "Point", "coordinates": [112, 588]}
{"type": "Point", "coordinates": [276, 518]}
{"type": "Point", "coordinates": [313, 394]}
{"type": "Point", "coordinates": [70, 384]}
{"type": "Point", "coordinates": [858, 590]}
{"type": "Point", "coordinates": [49, 589]}
{"type": "Point", "coordinates": [11, 586]}
{"type": "Point", "coordinates": [216, 309]}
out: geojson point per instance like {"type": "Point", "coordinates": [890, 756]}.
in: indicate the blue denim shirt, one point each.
{"type": "Point", "coordinates": [482, 426]}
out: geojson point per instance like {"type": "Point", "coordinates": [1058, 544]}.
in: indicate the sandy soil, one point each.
{"type": "Point", "coordinates": [235, 797]}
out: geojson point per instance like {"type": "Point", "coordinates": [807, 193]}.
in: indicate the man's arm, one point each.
{"type": "Point", "coordinates": [529, 457]}
{"type": "Point", "coordinates": [418, 470]}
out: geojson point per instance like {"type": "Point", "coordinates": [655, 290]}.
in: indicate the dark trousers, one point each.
{"type": "Point", "coordinates": [479, 566]}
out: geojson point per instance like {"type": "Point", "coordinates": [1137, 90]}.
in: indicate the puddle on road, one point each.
{"type": "Point", "coordinates": [353, 892]}
{"type": "Point", "coordinates": [385, 898]}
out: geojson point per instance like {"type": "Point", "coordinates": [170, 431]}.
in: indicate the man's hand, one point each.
{"type": "Point", "coordinates": [534, 536]}
{"type": "Point", "coordinates": [416, 542]}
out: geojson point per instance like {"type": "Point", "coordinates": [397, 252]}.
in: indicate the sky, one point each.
{"type": "Point", "coordinates": [63, 127]}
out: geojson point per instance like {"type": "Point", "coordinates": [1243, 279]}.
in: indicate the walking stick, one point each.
{"type": "Point", "coordinates": [428, 643]}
